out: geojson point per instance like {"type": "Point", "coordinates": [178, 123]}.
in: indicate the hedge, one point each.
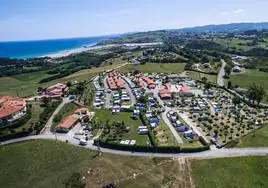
{"type": "Point", "coordinates": [158, 149]}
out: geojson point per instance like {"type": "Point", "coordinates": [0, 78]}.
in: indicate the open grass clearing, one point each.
{"type": "Point", "coordinates": [103, 116]}
{"type": "Point", "coordinates": [250, 76]}
{"type": "Point", "coordinates": [198, 76]}
{"type": "Point", "coordinates": [155, 67]}
{"type": "Point", "coordinates": [259, 140]}
{"type": "Point", "coordinates": [246, 172]}
{"type": "Point", "coordinates": [50, 163]}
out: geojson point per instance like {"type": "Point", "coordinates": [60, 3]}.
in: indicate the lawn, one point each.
{"type": "Point", "coordinates": [25, 85]}
{"type": "Point", "coordinates": [164, 135]}
{"type": "Point", "coordinates": [259, 140]}
{"type": "Point", "coordinates": [249, 77]}
{"type": "Point", "coordinates": [197, 76]}
{"type": "Point", "coordinates": [104, 115]}
{"type": "Point", "coordinates": [155, 67]}
{"type": "Point", "coordinates": [246, 172]}
{"type": "Point", "coordinates": [49, 163]}
{"type": "Point", "coordinates": [67, 109]}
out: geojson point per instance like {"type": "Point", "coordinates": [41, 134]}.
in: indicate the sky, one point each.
{"type": "Point", "coordinates": [49, 19]}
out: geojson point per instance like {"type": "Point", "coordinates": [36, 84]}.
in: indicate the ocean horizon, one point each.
{"type": "Point", "coordinates": [38, 48]}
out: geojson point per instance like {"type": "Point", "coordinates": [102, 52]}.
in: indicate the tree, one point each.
{"type": "Point", "coordinates": [204, 79]}
{"type": "Point", "coordinates": [68, 84]}
{"type": "Point", "coordinates": [227, 70]}
{"type": "Point", "coordinates": [236, 100]}
{"type": "Point", "coordinates": [229, 84]}
{"type": "Point", "coordinates": [256, 93]}
{"type": "Point", "coordinates": [207, 86]}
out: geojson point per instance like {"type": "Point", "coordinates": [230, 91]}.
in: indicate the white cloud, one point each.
{"type": "Point", "coordinates": [225, 13]}
{"type": "Point", "coordinates": [115, 13]}
{"type": "Point", "coordinates": [238, 11]}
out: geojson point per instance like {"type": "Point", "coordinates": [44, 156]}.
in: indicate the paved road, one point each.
{"type": "Point", "coordinates": [214, 153]}
{"type": "Point", "coordinates": [220, 79]}
{"type": "Point", "coordinates": [164, 114]}
{"type": "Point", "coordinates": [47, 128]}
{"type": "Point", "coordinates": [130, 93]}
{"type": "Point", "coordinates": [173, 130]}
{"type": "Point", "coordinates": [189, 122]}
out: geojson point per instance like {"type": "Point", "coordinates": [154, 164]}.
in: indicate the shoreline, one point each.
{"type": "Point", "coordinates": [94, 47]}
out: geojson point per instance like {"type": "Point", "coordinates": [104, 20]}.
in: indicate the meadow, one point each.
{"type": "Point", "coordinates": [50, 164]}
{"type": "Point", "coordinates": [246, 172]}
{"type": "Point", "coordinates": [155, 67]}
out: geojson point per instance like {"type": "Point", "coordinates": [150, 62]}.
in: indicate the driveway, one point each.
{"type": "Point", "coordinates": [47, 128]}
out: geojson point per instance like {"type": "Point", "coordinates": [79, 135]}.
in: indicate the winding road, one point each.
{"type": "Point", "coordinates": [220, 79]}
{"type": "Point", "coordinates": [213, 153]}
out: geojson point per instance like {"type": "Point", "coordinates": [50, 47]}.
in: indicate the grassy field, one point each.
{"type": "Point", "coordinates": [235, 42]}
{"type": "Point", "coordinates": [197, 76]}
{"type": "Point", "coordinates": [155, 67]}
{"type": "Point", "coordinates": [49, 164]}
{"type": "Point", "coordinates": [104, 115]}
{"type": "Point", "coordinates": [26, 84]}
{"type": "Point", "coordinates": [246, 172]}
{"type": "Point", "coordinates": [259, 140]}
{"type": "Point", "coordinates": [66, 110]}
{"type": "Point", "coordinates": [249, 77]}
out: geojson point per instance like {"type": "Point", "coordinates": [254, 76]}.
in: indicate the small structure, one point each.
{"type": "Point", "coordinates": [67, 124]}
{"type": "Point", "coordinates": [56, 90]}
{"type": "Point", "coordinates": [236, 69]}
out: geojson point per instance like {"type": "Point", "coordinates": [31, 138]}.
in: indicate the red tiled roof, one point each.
{"type": "Point", "coordinates": [80, 110]}
{"type": "Point", "coordinates": [185, 88]}
{"type": "Point", "coordinates": [68, 122]}
{"type": "Point", "coordinates": [10, 105]}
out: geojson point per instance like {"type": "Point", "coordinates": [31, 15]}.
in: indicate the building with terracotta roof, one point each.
{"type": "Point", "coordinates": [115, 81]}
{"type": "Point", "coordinates": [67, 123]}
{"type": "Point", "coordinates": [150, 82]}
{"type": "Point", "coordinates": [12, 108]}
{"type": "Point", "coordinates": [56, 90]}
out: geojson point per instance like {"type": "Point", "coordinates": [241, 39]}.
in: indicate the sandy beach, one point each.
{"type": "Point", "coordinates": [88, 48]}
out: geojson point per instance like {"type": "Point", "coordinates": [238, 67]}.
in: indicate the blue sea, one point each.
{"type": "Point", "coordinates": [27, 49]}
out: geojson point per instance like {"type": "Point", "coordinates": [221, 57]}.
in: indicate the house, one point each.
{"type": "Point", "coordinates": [185, 90]}
{"type": "Point", "coordinates": [150, 82]}
{"type": "Point", "coordinates": [12, 108]}
{"type": "Point", "coordinates": [236, 69]}
{"type": "Point", "coordinates": [67, 124]}
{"type": "Point", "coordinates": [56, 90]}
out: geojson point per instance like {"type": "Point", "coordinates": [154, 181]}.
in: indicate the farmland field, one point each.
{"type": "Point", "coordinates": [249, 77]}
{"type": "Point", "coordinates": [246, 172]}
{"type": "Point", "coordinates": [155, 67]}
{"type": "Point", "coordinates": [50, 164]}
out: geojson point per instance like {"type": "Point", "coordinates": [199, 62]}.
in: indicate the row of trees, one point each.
{"type": "Point", "coordinates": [256, 93]}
